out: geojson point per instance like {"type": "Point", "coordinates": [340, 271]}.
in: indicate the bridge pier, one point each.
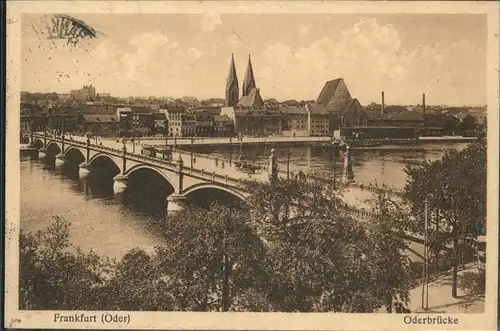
{"type": "Point", "coordinates": [42, 153]}
{"type": "Point", "coordinates": [175, 203]}
{"type": "Point", "coordinates": [120, 183]}
{"type": "Point", "coordinates": [60, 159]}
{"type": "Point", "coordinates": [84, 169]}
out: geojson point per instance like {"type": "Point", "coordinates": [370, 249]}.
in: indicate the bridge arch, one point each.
{"type": "Point", "coordinates": [102, 161]}
{"type": "Point", "coordinates": [53, 148]}
{"type": "Point", "coordinates": [97, 156]}
{"type": "Point", "coordinates": [37, 143]}
{"type": "Point", "coordinates": [25, 139]}
{"type": "Point", "coordinates": [74, 153]}
{"type": "Point", "coordinates": [135, 168]}
{"type": "Point", "coordinates": [211, 186]}
{"type": "Point", "coordinates": [148, 188]}
{"type": "Point", "coordinates": [204, 194]}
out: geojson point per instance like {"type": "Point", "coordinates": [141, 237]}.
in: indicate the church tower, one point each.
{"type": "Point", "coordinates": [249, 82]}
{"type": "Point", "coordinates": [232, 88]}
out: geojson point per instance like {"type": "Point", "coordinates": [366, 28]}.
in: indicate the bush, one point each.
{"type": "Point", "coordinates": [474, 283]}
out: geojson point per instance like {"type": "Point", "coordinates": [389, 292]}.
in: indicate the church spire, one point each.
{"type": "Point", "coordinates": [249, 82]}
{"type": "Point", "coordinates": [232, 88]}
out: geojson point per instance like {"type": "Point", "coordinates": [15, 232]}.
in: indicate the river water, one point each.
{"type": "Point", "coordinates": [112, 225]}
{"type": "Point", "coordinates": [382, 165]}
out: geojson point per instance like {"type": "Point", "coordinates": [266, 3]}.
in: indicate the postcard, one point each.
{"type": "Point", "coordinates": [252, 165]}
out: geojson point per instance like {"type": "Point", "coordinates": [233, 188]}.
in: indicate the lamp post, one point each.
{"type": "Point", "coordinates": [288, 163]}
{"type": "Point", "coordinates": [32, 125]}
{"type": "Point", "coordinates": [192, 141]}
{"type": "Point", "coordinates": [425, 283]}
{"type": "Point", "coordinates": [124, 155]}
{"type": "Point", "coordinates": [166, 139]}
{"type": "Point", "coordinates": [335, 151]}
{"type": "Point", "coordinates": [426, 256]}
{"type": "Point", "coordinates": [133, 132]}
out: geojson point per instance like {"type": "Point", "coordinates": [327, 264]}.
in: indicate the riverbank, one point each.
{"type": "Point", "coordinates": [280, 141]}
{"type": "Point", "coordinates": [297, 141]}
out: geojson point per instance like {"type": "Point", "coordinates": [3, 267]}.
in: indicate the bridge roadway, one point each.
{"type": "Point", "coordinates": [195, 172]}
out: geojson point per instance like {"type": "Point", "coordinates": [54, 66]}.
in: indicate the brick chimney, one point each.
{"type": "Point", "coordinates": [423, 103]}
{"type": "Point", "coordinates": [383, 103]}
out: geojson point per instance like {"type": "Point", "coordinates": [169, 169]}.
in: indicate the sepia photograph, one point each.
{"type": "Point", "coordinates": [224, 158]}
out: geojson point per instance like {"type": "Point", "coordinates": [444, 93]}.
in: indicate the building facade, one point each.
{"type": "Point", "coordinates": [87, 93]}
{"type": "Point", "coordinates": [103, 125]}
{"type": "Point", "coordinates": [174, 117]}
{"type": "Point", "coordinates": [160, 123]}
{"type": "Point", "coordinates": [204, 123]}
{"type": "Point", "coordinates": [188, 125]}
{"type": "Point", "coordinates": [294, 121]}
{"type": "Point", "coordinates": [257, 122]}
{"type": "Point", "coordinates": [318, 121]}
{"type": "Point", "coordinates": [222, 126]}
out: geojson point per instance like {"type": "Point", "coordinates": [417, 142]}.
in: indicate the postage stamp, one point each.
{"type": "Point", "coordinates": [252, 165]}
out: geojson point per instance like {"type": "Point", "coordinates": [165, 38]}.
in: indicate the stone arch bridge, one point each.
{"type": "Point", "coordinates": [185, 181]}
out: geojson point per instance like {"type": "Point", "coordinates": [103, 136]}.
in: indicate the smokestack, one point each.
{"type": "Point", "coordinates": [383, 102]}
{"type": "Point", "coordinates": [423, 103]}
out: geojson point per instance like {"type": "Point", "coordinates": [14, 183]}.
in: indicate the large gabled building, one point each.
{"type": "Point", "coordinates": [336, 102]}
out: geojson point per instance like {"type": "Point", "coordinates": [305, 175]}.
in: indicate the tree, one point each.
{"type": "Point", "coordinates": [291, 103]}
{"type": "Point", "coordinates": [320, 258]}
{"type": "Point", "coordinates": [136, 283]}
{"type": "Point", "coordinates": [55, 275]}
{"type": "Point", "coordinates": [474, 283]}
{"type": "Point", "coordinates": [455, 189]}
{"type": "Point", "coordinates": [374, 107]}
{"type": "Point", "coordinates": [468, 124]}
{"type": "Point", "coordinates": [215, 260]}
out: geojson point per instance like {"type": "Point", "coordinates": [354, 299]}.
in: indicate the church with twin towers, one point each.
{"type": "Point", "coordinates": [250, 94]}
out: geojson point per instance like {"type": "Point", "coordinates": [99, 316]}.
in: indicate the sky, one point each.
{"type": "Point", "coordinates": [405, 55]}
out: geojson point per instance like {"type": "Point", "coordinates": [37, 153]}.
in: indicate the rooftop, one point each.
{"type": "Point", "coordinates": [293, 110]}
{"type": "Point", "coordinates": [253, 99]}
{"type": "Point", "coordinates": [222, 118]}
{"type": "Point", "coordinates": [328, 91]}
{"type": "Point", "coordinates": [176, 110]}
{"type": "Point", "coordinates": [202, 114]}
{"type": "Point", "coordinates": [101, 118]}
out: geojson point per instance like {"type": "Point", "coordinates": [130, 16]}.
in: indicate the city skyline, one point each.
{"type": "Point", "coordinates": [189, 55]}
